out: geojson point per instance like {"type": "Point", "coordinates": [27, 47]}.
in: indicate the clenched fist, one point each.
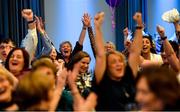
{"type": "Point", "coordinates": [98, 19]}
{"type": "Point", "coordinates": [138, 18]}
{"type": "Point", "coordinates": [27, 14]}
{"type": "Point", "coordinates": [160, 30]}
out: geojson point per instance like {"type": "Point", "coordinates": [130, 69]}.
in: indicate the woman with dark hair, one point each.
{"type": "Point", "coordinates": [17, 62]}
{"type": "Point", "coordinates": [148, 52]}
{"type": "Point", "coordinates": [84, 77]}
{"type": "Point", "coordinates": [157, 89]}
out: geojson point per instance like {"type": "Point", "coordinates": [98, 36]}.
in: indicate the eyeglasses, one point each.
{"type": "Point", "coordinates": [6, 47]}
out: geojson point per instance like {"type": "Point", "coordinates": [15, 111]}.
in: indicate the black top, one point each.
{"type": "Point", "coordinates": [76, 49]}
{"type": "Point", "coordinates": [4, 105]}
{"type": "Point", "coordinates": [116, 95]}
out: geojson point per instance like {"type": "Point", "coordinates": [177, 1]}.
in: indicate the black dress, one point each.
{"type": "Point", "coordinates": [116, 95]}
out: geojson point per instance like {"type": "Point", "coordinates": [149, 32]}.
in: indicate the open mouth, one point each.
{"type": "Point", "coordinates": [4, 54]}
{"type": "Point", "coordinates": [145, 48]}
{"type": "Point", "coordinates": [2, 90]}
{"type": "Point", "coordinates": [66, 51]}
{"type": "Point", "coordinates": [14, 63]}
{"type": "Point", "coordinates": [119, 69]}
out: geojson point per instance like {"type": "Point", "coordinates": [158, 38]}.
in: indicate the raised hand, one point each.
{"type": "Point", "coordinates": [27, 14]}
{"type": "Point", "coordinates": [59, 64]}
{"type": "Point", "coordinates": [160, 30]}
{"type": "Point", "coordinates": [125, 32]}
{"type": "Point", "coordinates": [177, 25]}
{"type": "Point", "coordinates": [98, 19]}
{"type": "Point", "coordinates": [86, 20]}
{"type": "Point", "coordinates": [61, 78]}
{"type": "Point", "coordinates": [40, 24]}
{"type": "Point", "coordinates": [127, 43]}
{"type": "Point", "coordinates": [80, 104]}
{"type": "Point", "coordinates": [60, 83]}
{"type": "Point", "coordinates": [138, 18]}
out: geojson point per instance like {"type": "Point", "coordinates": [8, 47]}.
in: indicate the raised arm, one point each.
{"type": "Point", "coordinates": [60, 83]}
{"type": "Point", "coordinates": [46, 41]}
{"type": "Point", "coordinates": [79, 103]}
{"type": "Point", "coordinates": [30, 41]}
{"type": "Point", "coordinates": [91, 36]}
{"type": "Point", "coordinates": [177, 30]}
{"type": "Point", "coordinates": [127, 42]}
{"type": "Point", "coordinates": [79, 44]}
{"type": "Point", "coordinates": [171, 55]}
{"type": "Point", "coordinates": [83, 31]}
{"type": "Point", "coordinates": [136, 46]}
{"type": "Point", "coordinates": [92, 40]}
{"type": "Point", "coordinates": [100, 50]}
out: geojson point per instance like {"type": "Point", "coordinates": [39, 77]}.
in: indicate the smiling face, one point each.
{"type": "Point", "coordinates": [109, 47]}
{"type": "Point", "coordinates": [5, 89]}
{"type": "Point", "coordinates": [84, 64]}
{"type": "Point", "coordinates": [16, 62]}
{"type": "Point", "coordinates": [146, 46]}
{"type": "Point", "coordinates": [53, 54]}
{"type": "Point", "coordinates": [5, 48]}
{"type": "Point", "coordinates": [66, 50]}
{"type": "Point", "coordinates": [115, 66]}
{"type": "Point", "coordinates": [146, 98]}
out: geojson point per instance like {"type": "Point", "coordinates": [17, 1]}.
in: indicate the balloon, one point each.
{"type": "Point", "coordinates": [113, 3]}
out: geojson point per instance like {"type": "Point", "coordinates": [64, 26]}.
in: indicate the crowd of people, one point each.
{"type": "Point", "coordinates": [59, 80]}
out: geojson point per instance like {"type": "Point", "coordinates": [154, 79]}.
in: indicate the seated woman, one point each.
{"type": "Point", "coordinates": [17, 62]}
{"type": "Point", "coordinates": [157, 89]}
{"type": "Point", "coordinates": [34, 92]}
{"type": "Point", "coordinates": [84, 77]}
{"type": "Point", "coordinates": [8, 84]}
{"type": "Point", "coordinates": [62, 99]}
{"type": "Point", "coordinates": [45, 65]}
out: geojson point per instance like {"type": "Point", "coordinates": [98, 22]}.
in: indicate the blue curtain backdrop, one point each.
{"type": "Point", "coordinates": [124, 18]}
{"type": "Point", "coordinates": [12, 24]}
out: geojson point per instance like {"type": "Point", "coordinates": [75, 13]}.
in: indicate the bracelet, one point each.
{"type": "Point", "coordinates": [164, 38]}
{"type": "Point", "coordinates": [41, 33]}
{"type": "Point", "coordinates": [139, 27]}
{"type": "Point", "coordinates": [84, 28]}
{"type": "Point", "coordinates": [29, 22]}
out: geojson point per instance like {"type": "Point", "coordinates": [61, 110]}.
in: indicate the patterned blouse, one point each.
{"type": "Point", "coordinates": [84, 83]}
